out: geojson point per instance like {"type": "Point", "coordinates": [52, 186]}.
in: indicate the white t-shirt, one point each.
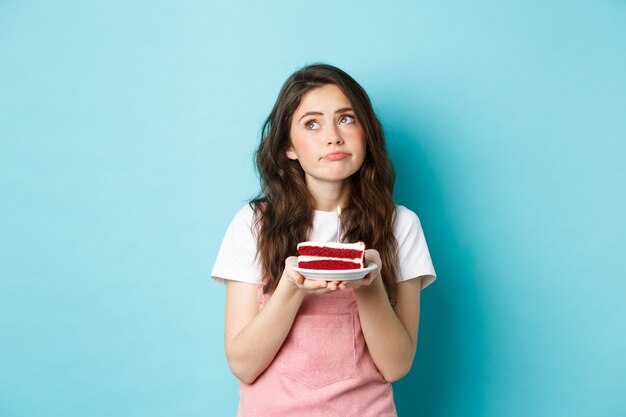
{"type": "Point", "coordinates": [236, 259]}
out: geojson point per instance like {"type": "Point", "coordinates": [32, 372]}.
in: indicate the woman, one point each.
{"type": "Point", "coordinates": [310, 347]}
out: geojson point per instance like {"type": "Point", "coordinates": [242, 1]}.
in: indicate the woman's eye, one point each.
{"type": "Point", "coordinates": [312, 125]}
{"type": "Point", "coordinates": [346, 120]}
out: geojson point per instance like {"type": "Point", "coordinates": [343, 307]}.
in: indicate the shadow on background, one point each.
{"type": "Point", "coordinates": [452, 342]}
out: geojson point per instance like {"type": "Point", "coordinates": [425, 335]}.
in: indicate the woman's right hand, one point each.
{"type": "Point", "coordinates": [309, 285]}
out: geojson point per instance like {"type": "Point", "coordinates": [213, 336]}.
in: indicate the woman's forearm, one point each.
{"type": "Point", "coordinates": [388, 340]}
{"type": "Point", "coordinates": [253, 348]}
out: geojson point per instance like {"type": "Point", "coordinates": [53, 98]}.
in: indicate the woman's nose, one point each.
{"type": "Point", "coordinates": [335, 138]}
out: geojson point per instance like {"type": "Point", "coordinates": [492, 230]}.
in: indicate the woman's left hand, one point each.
{"type": "Point", "coordinates": [371, 256]}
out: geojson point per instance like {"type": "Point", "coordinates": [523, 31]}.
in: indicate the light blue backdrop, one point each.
{"type": "Point", "coordinates": [127, 131]}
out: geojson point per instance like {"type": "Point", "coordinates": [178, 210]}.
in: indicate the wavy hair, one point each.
{"type": "Point", "coordinates": [284, 207]}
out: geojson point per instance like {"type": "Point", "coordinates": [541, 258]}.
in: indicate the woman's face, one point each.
{"type": "Point", "coordinates": [326, 137]}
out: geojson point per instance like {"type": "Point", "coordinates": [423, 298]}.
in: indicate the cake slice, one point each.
{"type": "Point", "coordinates": [331, 255]}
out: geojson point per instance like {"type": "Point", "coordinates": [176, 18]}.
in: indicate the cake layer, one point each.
{"type": "Point", "coordinates": [329, 264]}
{"type": "Point", "coordinates": [330, 252]}
{"type": "Point", "coordinates": [306, 258]}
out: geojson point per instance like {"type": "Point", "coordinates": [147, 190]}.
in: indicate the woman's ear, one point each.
{"type": "Point", "coordinates": [291, 153]}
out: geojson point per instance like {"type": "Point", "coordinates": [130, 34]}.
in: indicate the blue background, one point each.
{"type": "Point", "coordinates": [127, 131]}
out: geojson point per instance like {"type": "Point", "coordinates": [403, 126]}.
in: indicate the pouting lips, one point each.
{"type": "Point", "coordinates": [335, 156]}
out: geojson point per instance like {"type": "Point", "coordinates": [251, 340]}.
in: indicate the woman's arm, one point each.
{"type": "Point", "coordinates": [390, 334]}
{"type": "Point", "coordinates": [252, 337]}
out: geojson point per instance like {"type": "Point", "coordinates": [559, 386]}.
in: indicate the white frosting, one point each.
{"type": "Point", "coordinates": [334, 245]}
{"type": "Point", "coordinates": [324, 258]}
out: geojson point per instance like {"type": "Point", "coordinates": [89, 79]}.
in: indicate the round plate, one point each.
{"type": "Point", "coordinates": [336, 274]}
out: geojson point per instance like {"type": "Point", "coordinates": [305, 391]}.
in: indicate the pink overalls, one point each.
{"type": "Point", "coordinates": [323, 368]}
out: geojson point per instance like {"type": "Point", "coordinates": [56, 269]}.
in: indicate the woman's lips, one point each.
{"type": "Point", "coordinates": [335, 156]}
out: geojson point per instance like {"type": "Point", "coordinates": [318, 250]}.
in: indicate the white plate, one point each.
{"type": "Point", "coordinates": [336, 274]}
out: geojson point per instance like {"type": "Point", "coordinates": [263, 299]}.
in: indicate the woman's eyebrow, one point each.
{"type": "Point", "coordinates": [343, 109]}
{"type": "Point", "coordinates": [319, 113]}
{"type": "Point", "coordinates": [311, 113]}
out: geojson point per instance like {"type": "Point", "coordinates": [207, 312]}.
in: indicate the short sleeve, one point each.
{"type": "Point", "coordinates": [236, 259]}
{"type": "Point", "coordinates": [413, 255]}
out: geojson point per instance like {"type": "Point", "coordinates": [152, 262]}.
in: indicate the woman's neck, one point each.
{"type": "Point", "coordinates": [330, 195]}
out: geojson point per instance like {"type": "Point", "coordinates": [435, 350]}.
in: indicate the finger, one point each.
{"type": "Point", "coordinates": [313, 284]}
{"type": "Point", "coordinates": [322, 287]}
{"type": "Point", "coordinates": [348, 284]}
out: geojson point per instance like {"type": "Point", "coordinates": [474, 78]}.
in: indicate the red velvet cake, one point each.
{"type": "Point", "coordinates": [331, 255]}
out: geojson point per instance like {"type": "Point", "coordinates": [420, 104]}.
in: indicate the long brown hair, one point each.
{"type": "Point", "coordinates": [284, 207]}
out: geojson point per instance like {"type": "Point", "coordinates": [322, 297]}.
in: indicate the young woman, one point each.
{"type": "Point", "coordinates": [321, 348]}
